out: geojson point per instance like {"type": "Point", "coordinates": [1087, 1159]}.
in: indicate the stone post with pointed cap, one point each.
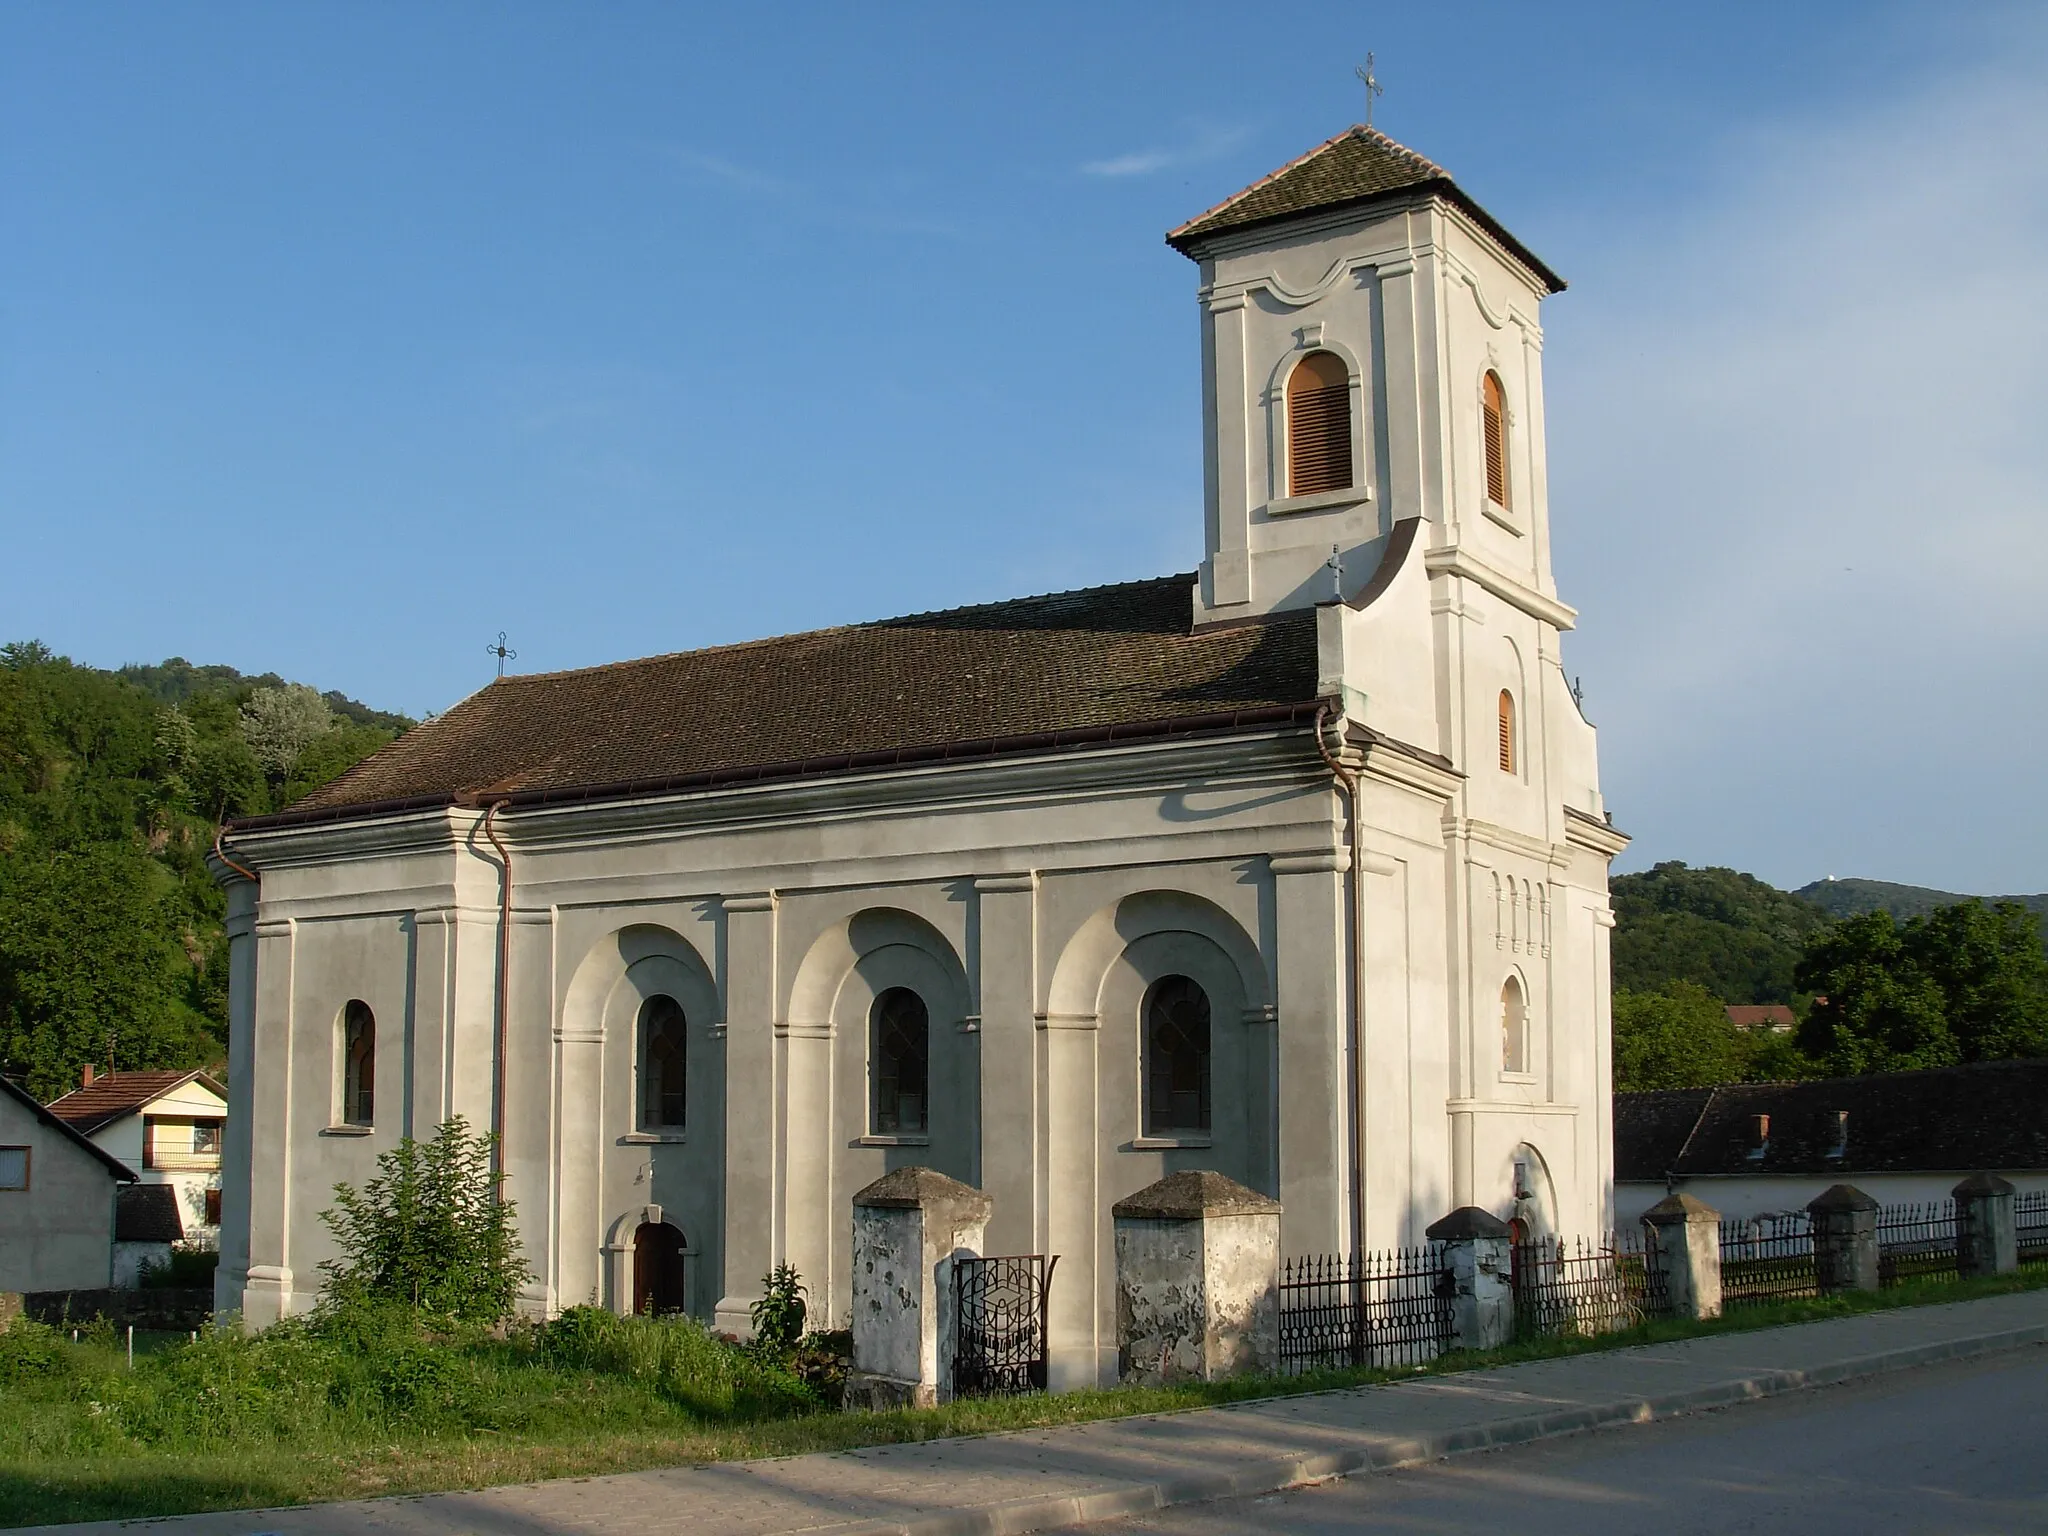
{"type": "Point", "coordinates": [1987, 1239]}
{"type": "Point", "coordinates": [908, 1227]}
{"type": "Point", "coordinates": [1844, 1239]}
{"type": "Point", "coordinates": [1685, 1246]}
{"type": "Point", "coordinates": [1197, 1280]}
{"type": "Point", "coordinates": [1479, 1268]}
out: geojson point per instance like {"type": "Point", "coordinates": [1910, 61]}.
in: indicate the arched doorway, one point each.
{"type": "Point", "coordinates": [658, 1275]}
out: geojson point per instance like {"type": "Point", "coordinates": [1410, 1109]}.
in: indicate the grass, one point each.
{"type": "Point", "coordinates": [204, 1427]}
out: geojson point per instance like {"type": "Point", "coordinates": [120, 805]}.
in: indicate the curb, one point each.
{"type": "Point", "coordinates": [1274, 1474]}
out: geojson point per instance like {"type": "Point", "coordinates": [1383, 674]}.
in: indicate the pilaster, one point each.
{"type": "Point", "coordinates": [750, 1119]}
{"type": "Point", "coordinates": [267, 1297]}
{"type": "Point", "coordinates": [1311, 911]}
{"type": "Point", "coordinates": [1010, 1104]}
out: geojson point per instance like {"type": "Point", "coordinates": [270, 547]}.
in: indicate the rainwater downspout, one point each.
{"type": "Point", "coordinates": [498, 1025]}
{"type": "Point", "coordinates": [1355, 1021]}
{"type": "Point", "coordinates": [220, 852]}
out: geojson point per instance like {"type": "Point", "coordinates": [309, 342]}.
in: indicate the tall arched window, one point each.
{"type": "Point", "coordinates": [901, 1031]}
{"type": "Point", "coordinates": [1493, 408]}
{"type": "Point", "coordinates": [1176, 1057]}
{"type": "Point", "coordinates": [358, 1064]}
{"type": "Point", "coordinates": [1507, 731]}
{"type": "Point", "coordinates": [1318, 425]}
{"type": "Point", "coordinates": [1514, 1027]}
{"type": "Point", "coordinates": [664, 1065]}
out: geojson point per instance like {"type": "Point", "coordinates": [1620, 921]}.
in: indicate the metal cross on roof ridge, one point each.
{"type": "Point", "coordinates": [1372, 86]}
{"type": "Point", "coordinates": [502, 651]}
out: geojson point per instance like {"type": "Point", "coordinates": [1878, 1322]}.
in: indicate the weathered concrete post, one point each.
{"type": "Point", "coordinates": [908, 1227]}
{"type": "Point", "coordinates": [1477, 1245]}
{"type": "Point", "coordinates": [1197, 1280]}
{"type": "Point", "coordinates": [1987, 1240]}
{"type": "Point", "coordinates": [1844, 1239]}
{"type": "Point", "coordinates": [1685, 1245]}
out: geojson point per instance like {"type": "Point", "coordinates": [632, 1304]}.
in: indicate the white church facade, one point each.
{"type": "Point", "coordinates": [1294, 867]}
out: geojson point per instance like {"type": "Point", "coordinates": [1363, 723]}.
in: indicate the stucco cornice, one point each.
{"type": "Point", "coordinates": [1583, 831]}
{"type": "Point", "coordinates": [1455, 560]}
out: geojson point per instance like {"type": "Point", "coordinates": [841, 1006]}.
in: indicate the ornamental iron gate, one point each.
{"type": "Point", "coordinates": [1000, 1344]}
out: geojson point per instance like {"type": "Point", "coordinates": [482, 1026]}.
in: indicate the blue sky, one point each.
{"type": "Point", "coordinates": [336, 338]}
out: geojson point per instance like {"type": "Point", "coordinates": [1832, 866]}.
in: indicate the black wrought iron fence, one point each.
{"type": "Point", "coordinates": [2030, 1225]}
{"type": "Point", "coordinates": [1001, 1328]}
{"type": "Point", "coordinates": [1585, 1286]}
{"type": "Point", "coordinates": [1767, 1258]}
{"type": "Point", "coordinates": [1916, 1242]}
{"type": "Point", "coordinates": [1375, 1309]}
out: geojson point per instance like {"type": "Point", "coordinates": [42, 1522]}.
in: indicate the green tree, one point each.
{"type": "Point", "coordinates": [1965, 982]}
{"type": "Point", "coordinates": [429, 1231]}
{"type": "Point", "coordinates": [1677, 1037]}
{"type": "Point", "coordinates": [1729, 932]}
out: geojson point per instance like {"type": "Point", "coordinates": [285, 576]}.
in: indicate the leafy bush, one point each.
{"type": "Point", "coordinates": [779, 1314]}
{"type": "Point", "coordinates": [30, 1349]}
{"type": "Point", "coordinates": [678, 1358]}
{"type": "Point", "coordinates": [430, 1231]}
{"type": "Point", "coordinates": [182, 1269]}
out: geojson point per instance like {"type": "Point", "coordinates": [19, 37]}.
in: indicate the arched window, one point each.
{"type": "Point", "coordinates": [901, 1030]}
{"type": "Point", "coordinates": [664, 1065]}
{"type": "Point", "coordinates": [1318, 425]}
{"type": "Point", "coordinates": [1493, 408]}
{"type": "Point", "coordinates": [1514, 1027]}
{"type": "Point", "coordinates": [358, 1065]}
{"type": "Point", "coordinates": [1507, 731]}
{"type": "Point", "coordinates": [1176, 1057]}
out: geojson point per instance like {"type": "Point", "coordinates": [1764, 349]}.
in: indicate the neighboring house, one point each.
{"type": "Point", "coordinates": [1293, 867]}
{"type": "Point", "coordinates": [166, 1125]}
{"type": "Point", "coordinates": [1775, 1017]}
{"type": "Point", "coordinates": [57, 1193]}
{"type": "Point", "coordinates": [1748, 1149]}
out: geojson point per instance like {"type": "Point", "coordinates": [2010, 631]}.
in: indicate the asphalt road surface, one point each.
{"type": "Point", "coordinates": [1953, 1448]}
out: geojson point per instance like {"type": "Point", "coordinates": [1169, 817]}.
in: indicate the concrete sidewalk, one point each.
{"type": "Point", "coordinates": [1042, 1479]}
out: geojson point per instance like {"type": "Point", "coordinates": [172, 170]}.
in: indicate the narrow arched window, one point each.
{"type": "Point", "coordinates": [1493, 408]}
{"type": "Point", "coordinates": [1318, 425]}
{"type": "Point", "coordinates": [901, 1062]}
{"type": "Point", "coordinates": [1514, 1027]}
{"type": "Point", "coordinates": [1507, 731]}
{"type": "Point", "coordinates": [358, 1065]}
{"type": "Point", "coordinates": [1176, 1057]}
{"type": "Point", "coordinates": [664, 1065]}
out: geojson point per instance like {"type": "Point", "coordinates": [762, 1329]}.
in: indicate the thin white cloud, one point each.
{"type": "Point", "coordinates": [1202, 143]}
{"type": "Point", "coordinates": [731, 173]}
{"type": "Point", "coordinates": [1797, 489]}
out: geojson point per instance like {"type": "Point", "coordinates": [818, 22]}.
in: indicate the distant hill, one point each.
{"type": "Point", "coordinates": [1732, 933]}
{"type": "Point", "coordinates": [177, 681]}
{"type": "Point", "coordinates": [1846, 898]}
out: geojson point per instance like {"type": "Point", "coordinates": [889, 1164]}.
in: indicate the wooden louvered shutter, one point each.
{"type": "Point", "coordinates": [1318, 425]}
{"type": "Point", "coordinates": [1507, 731]}
{"type": "Point", "coordinates": [1494, 410]}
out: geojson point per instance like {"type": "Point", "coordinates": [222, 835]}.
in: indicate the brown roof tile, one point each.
{"type": "Point", "coordinates": [1073, 662]}
{"type": "Point", "coordinates": [114, 1094]}
{"type": "Point", "coordinates": [1359, 165]}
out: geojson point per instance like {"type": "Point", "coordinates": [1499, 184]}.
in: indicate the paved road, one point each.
{"type": "Point", "coordinates": [1951, 1448]}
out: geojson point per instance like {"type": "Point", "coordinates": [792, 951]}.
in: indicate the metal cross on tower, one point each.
{"type": "Point", "coordinates": [503, 652]}
{"type": "Point", "coordinates": [1371, 82]}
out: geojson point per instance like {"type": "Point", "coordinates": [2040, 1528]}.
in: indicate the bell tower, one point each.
{"type": "Point", "coordinates": [1371, 354]}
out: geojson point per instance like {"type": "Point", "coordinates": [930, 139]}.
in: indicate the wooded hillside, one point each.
{"type": "Point", "coordinates": [111, 787]}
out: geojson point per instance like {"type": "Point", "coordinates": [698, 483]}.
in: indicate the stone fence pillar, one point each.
{"type": "Point", "coordinates": [1987, 1240]}
{"type": "Point", "coordinates": [1197, 1281]}
{"type": "Point", "coordinates": [1685, 1246]}
{"type": "Point", "coordinates": [908, 1227]}
{"type": "Point", "coordinates": [1844, 1239]}
{"type": "Point", "coordinates": [1478, 1246]}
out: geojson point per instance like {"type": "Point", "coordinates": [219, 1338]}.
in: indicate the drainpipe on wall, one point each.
{"type": "Point", "coordinates": [498, 1026]}
{"type": "Point", "coordinates": [220, 852]}
{"type": "Point", "coordinates": [1355, 1022]}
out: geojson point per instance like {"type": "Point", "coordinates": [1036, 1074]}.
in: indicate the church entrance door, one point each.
{"type": "Point", "coordinates": [658, 1269]}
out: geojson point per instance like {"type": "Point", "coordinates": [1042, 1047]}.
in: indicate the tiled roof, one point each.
{"type": "Point", "coordinates": [1987, 1116]}
{"type": "Point", "coordinates": [1360, 165]}
{"type": "Point", "coordinates": [28, 1101]}
{"type": "Point", "coordinates": [114, 1094]}
{"type": "Point", "coordinates": [147, 1213]}
{"type": "Point", "coordinates": [1001, 676]}
{"type": "Point", "coordinates": [1761, 1016]}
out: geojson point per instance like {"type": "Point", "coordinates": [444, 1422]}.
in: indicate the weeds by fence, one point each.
{"type": "Point", "coordinates": [1377, 1309]}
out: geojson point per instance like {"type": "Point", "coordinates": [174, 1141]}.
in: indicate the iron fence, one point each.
{"type": "Point", "coordinates": [1766, 1259]}
{"type": "Point", "coordinates": [2030, 1224]}
{"type": "Point", "coordinates": [1916, 1242]}
{"type": "Point", "coordinates": [1001, 1333]}
{"type": "Point", "coordinates": [1580, 1286]}
{"type": "Point", "coordinates": [1375, 1309]}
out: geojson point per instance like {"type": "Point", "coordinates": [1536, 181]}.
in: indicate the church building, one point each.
{"type": "Point", "coordinates": [1293, 867]}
